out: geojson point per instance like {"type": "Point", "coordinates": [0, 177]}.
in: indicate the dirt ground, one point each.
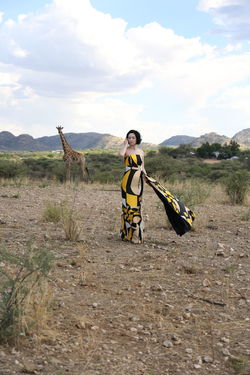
{"type": "Point", "coordinates": [172, 305]}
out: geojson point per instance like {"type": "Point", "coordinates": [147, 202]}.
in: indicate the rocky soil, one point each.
{"type": "Point", "coordinates": [172, 305]}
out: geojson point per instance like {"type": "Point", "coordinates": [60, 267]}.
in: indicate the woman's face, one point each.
{"type": "Point", "coordinates": [132, 139]}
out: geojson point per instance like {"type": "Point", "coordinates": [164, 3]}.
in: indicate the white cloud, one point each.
{"type": "Point", "coordinates": [1, 16]}
{"type": "Point", "coordinates": [235, 98]}
{"type": "Point", "coordinates": [228, 110]}
{"type": "Point", "coordinates": [74, 41]}
{"type": "Point", "coordinates": [67, 64]}
{"type": "Point", "coordinates": [232, 17]}
{"type": "Point", "coordinates": [207, 5]}
{"type": "Point", "coordinates": [162, 46]}
{"type": "Point", "coordinates": [16, 50]}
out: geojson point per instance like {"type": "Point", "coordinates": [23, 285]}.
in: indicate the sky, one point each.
{"type": "Point", "coordinates": [162, 67]}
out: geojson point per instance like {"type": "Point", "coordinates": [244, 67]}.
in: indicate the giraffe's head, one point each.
{"type": "Point", "coordinates": [59, 128]}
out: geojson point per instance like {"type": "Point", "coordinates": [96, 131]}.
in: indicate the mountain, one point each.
{"type": "Point", "coordinates": [243, 137]}
{"type": "Point", "coordinates": [92, 140]}
{"type": "Point", "coordinates": [210, 138]}
{"type": "Point", "coordinates": [23, 142]}
{"type": "Point", "coordinates": [78, 141]}
{"type": "Point", "coordinates": [177, 140]}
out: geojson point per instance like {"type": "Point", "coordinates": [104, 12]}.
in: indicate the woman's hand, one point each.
{"type": "Point", "coordinates": [125, 142]}
{"type": "Point", "coordinates": [124, 149]}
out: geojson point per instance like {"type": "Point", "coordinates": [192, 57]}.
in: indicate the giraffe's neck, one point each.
{"type": "Point", "coordinates": [65, 144]}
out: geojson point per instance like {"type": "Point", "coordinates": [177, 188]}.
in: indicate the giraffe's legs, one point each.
{"type": "Point", "coordinates": [68, 170]}
{"type": "Point", "coordinates": [84, 170]}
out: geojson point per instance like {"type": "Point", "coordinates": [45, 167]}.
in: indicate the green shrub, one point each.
{"type": "Point", "coordinates": [11, 169]}
{"type": "Point", "coordinates": [236, 186]}
{"type": "Point", "coordinates": [52, 212]}
{"type": "Point", "coordinates": [104, 177]}
{"type": "Point", "coordinates": [192, 193]}
{"type": "Point", "coordinates": [246, 215]}
{"type": "Point", "coordinates": [106, 167]}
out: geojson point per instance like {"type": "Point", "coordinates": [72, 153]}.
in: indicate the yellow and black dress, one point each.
{"type": "Point", "coordinates": [131, 190]}
{"type": "Point", "coordinates": [180, 216]}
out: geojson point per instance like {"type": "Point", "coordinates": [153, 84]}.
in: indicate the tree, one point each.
{"type": "Point", "coordinates": [229, 150]}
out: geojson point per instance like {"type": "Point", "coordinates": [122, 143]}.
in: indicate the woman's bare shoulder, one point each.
{"type": "Point", "coordinates": [138, 151]}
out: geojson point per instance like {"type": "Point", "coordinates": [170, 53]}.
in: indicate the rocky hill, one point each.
{"type": "Point", "coordinates": [242, 137]}
{"type": "Point", "coordinates": [210, 138]}
{"type": "Point", "coordinates": [92, 140]}
{"type": "Point", "coordinates": [78, 141]}
{"type": "Point", "coordinates": [23, 142]}
{"type": "Point", "coordinates": [178, 140]}
{"type": "Point", "coordinates": [81, 141]}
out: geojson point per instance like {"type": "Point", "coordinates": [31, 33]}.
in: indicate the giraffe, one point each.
{"type": "Point", "coordinates": [71, 156]}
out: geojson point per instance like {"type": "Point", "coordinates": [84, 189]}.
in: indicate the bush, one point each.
{"type": "Point", "coordinates": [192, 193]}
{"type": "Point", "coordinates": [20, 275]}
{"type": "Point", "coordinates": [70, 221]}
{"type": "Point", "coordinates": [52, 212]}
{"type": "Point", "coordinates": [246, 215]}
{"type": "Point", "coordinates": [11, 169]}
{"type": "Point", "coordinates": [106, 167]}
{"type": "Point", "coordinates": [236, 186]}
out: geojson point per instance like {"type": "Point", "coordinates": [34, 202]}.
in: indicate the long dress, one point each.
{"type": "Point", "coordinates": [131, 191]}
{"type": "Point", "coordinates": [180, 216]}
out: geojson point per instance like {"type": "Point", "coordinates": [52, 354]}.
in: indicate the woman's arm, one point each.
{"type": "Point", "coordinates": [124, 149]}
{"type": "Point", "coordinates": [143, 165]}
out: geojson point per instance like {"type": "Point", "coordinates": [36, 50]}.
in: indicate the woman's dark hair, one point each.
{"type": "Point", "coordinates": [137, 136]}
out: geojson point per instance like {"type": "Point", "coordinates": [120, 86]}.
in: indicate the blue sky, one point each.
{"type": "Point", "coordinates": [163, 67]}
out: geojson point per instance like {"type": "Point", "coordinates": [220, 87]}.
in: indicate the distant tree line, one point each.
{"type": "Point", "coordinates": [106, 167]}
{"type": "Point", "coordinates": [216, 150]}
{"type": "Point", "coordinates": [205, 151]}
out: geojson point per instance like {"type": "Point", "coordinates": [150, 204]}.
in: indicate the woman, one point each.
{"type": "Point", "coordinates": [180, 216]}
{"type": "Point", "coordinates": [132, 188]}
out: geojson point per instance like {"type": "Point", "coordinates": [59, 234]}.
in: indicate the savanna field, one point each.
{"type": "Point", "coordinates": [76, 300]}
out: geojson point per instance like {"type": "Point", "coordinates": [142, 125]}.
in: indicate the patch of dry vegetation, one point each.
{"type": "Point", "coordinates": [172, 305]}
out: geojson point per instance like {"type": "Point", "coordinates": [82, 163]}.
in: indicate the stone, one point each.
{"type": "Point", "coordinates": [196, 366]}
{"type": "Point", "coordinates": [220, 252]}
{"type": "Point", "coordinates": [133, 329]}
{"type": "Point", "coordinates": [167, 344]}
{"type": "Point", "coordinates": [217, 282]}
{"type": "Point", "coordinates": [186, 315]}
{"type": "Point", "coordinates": [207, 359]}
{"type": "Point", "coordinates": [225, 339]}
{"type": "Point", "coordinates": [177, 342]}
{"type": "Point", "coordinates": [175, 338]}
{"type": "Point", "coordinates": [94, 328]}
{"type": "Point", "coordinates": [225, 352]}
{"type": "Point", "coordinates": [221, 245]}
{"type": "Point", "coordinates": [133, 318]}
{"type": "Point", "coordinates": [206, 283]}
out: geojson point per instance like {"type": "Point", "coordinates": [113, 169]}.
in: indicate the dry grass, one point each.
{"type": "Point", "coordinates": [115, 304]}
{"type": "Point", "coordinates": [37, 309]}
